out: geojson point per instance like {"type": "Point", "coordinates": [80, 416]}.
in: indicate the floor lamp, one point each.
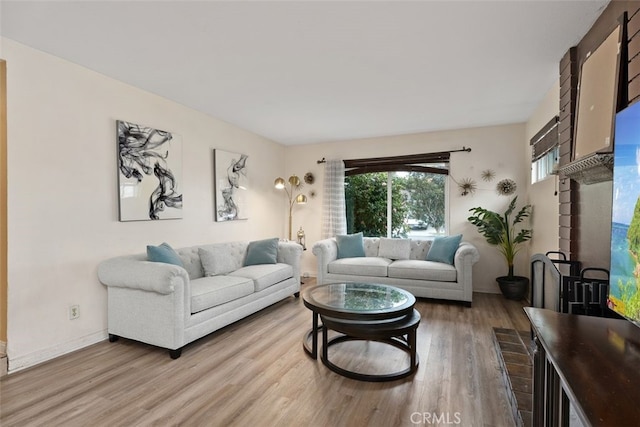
{"type": "Point", "coordinates": [294, 185]}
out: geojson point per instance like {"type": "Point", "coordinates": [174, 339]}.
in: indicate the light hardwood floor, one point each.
{"type": "Point", "coordinates": [255, 372]}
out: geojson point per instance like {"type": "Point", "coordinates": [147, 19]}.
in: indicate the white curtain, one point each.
{"type": "Point", "coordinates": [334, 219]}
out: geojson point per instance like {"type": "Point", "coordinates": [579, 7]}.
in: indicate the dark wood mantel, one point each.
{"type": "Point", "coordinates": [595, 361]}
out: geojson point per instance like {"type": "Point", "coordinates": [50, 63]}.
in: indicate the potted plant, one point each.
{"type": "Point", "coordinates": [500, 231]}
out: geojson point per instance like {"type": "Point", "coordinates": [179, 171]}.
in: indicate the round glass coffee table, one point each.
{"type": "Point", "coordinates": [362, 311]}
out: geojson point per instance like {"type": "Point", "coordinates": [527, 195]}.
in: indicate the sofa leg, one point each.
{"type": "Point", "coordinates": [467, 304]}
{"type": "Point", "coordinates": [175, 353]}
{"type": "Point", "coordinates": [113, 338]}
{"type": "Point", "coordinates": [297, 294]}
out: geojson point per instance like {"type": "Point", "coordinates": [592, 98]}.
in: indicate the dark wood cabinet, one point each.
{"type": "Point", "coordinates": [589, 363]}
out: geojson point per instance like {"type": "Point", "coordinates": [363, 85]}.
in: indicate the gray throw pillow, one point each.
{"type": "Point", "coordinates": [216, 261]}
{"type": "Point", "coordinates": [394, 248]}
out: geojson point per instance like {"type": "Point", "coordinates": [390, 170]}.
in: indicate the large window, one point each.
{"type": "Point", "coordinates": [403, 203]}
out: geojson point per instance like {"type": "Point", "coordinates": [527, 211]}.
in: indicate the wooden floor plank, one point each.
{"type": "Point", "coordinates": [255, 372]}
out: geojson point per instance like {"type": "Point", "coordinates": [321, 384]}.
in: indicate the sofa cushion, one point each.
{"type": "Point", "coordinates": [360, 266]}
{"type": "Point", "coordinates": [394, 248]}
{"type": "Point", "coordinates": [262, 252]}
{"type": "Point", "coordinates": [264, 275]}
{"type": "Point", "coordinates": [422, 270]}
{"type": "Point", "coordinates": [443, 249]}
{"type": "Point", "coordinates": [350, 245]}
{"type": "Point", "coordinates": [208, 292]}
{"type": "Point", "coordinates": [216, 260]}
{"type": "Point", "coordinates": [163, 253]}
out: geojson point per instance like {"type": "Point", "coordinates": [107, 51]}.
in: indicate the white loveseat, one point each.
{"type": "Point", "coordinates": [170, 306]}
{"type": "Point", "coordinates": [428, 279]}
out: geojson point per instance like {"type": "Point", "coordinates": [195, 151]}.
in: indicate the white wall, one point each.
{"type": "Point", "coordinates": [499, 148]}
{"type": "Point", "coordinates": [546, 211]}
{"type": "Point", "coordinates": [62, 195]}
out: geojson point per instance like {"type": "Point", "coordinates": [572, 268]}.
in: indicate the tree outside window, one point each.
{"type": "Point", "coordinates": [417, 204]}
{"type": "Point", "coordinates": [426, 200]}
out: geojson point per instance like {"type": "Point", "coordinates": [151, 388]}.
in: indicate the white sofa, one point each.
{"type": "Point", "coordinates": [170, 306]}
{"type": "Point", "coordinates": [428, 279]}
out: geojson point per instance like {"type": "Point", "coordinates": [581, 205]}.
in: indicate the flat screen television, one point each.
{"type": "Point", "coordinates": [624, 281]}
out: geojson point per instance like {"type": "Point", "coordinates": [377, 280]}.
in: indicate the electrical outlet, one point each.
{"type": "Point", "coordinates": [74, 312]}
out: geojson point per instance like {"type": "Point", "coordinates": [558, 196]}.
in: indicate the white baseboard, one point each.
{"type": "Point", "coordinates": [22, 362]}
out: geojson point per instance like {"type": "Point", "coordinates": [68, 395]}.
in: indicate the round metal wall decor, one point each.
{"type": "Point", "coordinates": [309, 178]}
{"type": "Point", "coordinates": [506, 187]}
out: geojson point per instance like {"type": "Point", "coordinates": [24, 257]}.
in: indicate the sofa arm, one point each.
{"type": "Point", "coordinates": [133, 273]}
{"type": "Point", "coordinates": [464, 258]}
{"type": "Point", "coordinates": [325, 251]}
{"type": "Point", "coordinates": [464, 251]}
{"type": "Point", "coordinates": [290, 253]}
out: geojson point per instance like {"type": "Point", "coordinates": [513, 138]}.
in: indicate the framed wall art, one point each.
{"type": "Point", "coordinates": [598, 93]}
{"type": "Point", "coordinates": [149, 173]}
{"type": "Point", "coordinates": [230, 181]}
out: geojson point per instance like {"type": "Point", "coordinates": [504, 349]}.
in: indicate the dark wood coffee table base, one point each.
{"type": "Point", "coordinates": [366, 312]}
{"type": "Point", "coordinates": [400, 333]}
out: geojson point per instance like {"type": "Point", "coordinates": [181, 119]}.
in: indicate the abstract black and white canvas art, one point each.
{"type": "Point", "coordinates": [230, 185]}
{"type": "Point", "coordinates": [149, 173]}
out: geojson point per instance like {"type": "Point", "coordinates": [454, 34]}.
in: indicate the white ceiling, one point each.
{"type": "Point", "coordinates": [303, 71]}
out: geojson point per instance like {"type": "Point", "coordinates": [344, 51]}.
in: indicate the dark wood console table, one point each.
{"type": "Point", "coordinates": [592, 363]}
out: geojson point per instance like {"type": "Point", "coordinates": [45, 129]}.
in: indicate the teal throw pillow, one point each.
{"type": "Point", "coordinates": [163, 253]}
{"type": "Point", "coordinates": [350, 245]}
{"type": "Point", "coordinates": [443, 249]}
{"type": "Point", "coordinates": [262, 252]}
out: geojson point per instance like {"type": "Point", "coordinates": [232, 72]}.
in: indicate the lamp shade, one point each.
{"type": "Point", "coordinates": [294, 181]}
{"type": "Point", "coordinates": [279, 183]}
{"type": "Point", "coordinates": [301, 199]}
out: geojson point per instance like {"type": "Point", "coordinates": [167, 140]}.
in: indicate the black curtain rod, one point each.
{"type": "Point", "coordinates": [465, 149]}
